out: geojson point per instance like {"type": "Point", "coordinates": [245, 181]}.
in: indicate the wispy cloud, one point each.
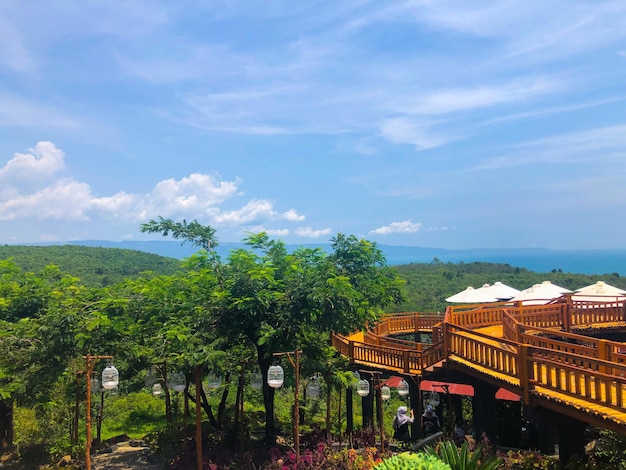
{"type": "Point", "coordinates": [463, 99]}
{"type": "Point", "coordinates": [308, 232]}
{"type": "Point", "coordinates": [413, 132]}
{"type": "Point", "coordinates": [14, 53]}
{"type": "Point", "coordinates": [600, 146]}
{"type": "Point", "coordinates": [20, 112]}
{"type": "Point", "coordinates": [405, 226]}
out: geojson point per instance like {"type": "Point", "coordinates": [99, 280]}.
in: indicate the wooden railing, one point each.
{"type": "Point", "coordinates": [537, 353]}
{"type": "Point", "coordinates": [480, 349]}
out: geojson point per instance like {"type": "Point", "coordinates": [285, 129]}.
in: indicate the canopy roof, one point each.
{"type": "Point", "coordinates": [540, 294]}
{"type": "Point", "coordinates": [499, 291]}
{"type": "Point", "coordinates": [471, 296]}
{"type": "Point", "coordinates": [599, 292]}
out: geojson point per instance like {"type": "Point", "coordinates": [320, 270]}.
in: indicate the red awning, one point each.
{"type": "Point", "coordinates": [452, 388]}
{"type": "Point", "coordinates": [449, 387]}
{"type": "Point", "coordinates": [504, 394]}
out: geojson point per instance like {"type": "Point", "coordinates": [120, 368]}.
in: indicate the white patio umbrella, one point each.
{"type": "Point", "coordinates": [499, 291]}
{"type": "Point", "coordinates": [540, 294]}
{"type": "Point", "coordinates": [471, 296]}
{"type": "Point", "coordinates": [599, 292]}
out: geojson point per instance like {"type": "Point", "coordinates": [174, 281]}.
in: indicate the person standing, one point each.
{"type": "Point", "coordinates": [430, 422]}
{"type": "Point", "coordinates": [401, 423]}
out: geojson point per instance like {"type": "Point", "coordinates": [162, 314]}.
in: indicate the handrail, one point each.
{"type": "Point", "coordinates": [537, 352]}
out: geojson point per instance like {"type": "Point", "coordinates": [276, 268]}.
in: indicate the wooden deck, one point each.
{"type": "Point", "coordinates": [539, 352]}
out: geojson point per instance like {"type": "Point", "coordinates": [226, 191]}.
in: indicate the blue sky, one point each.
{"type": "Point", "coordinates": [449, 124]}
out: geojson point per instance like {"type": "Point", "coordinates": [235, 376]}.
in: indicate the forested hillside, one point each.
{"type": "Point", "coordinates": [428, 284]}
{"type": "Point", "coordinates": [94, 266]}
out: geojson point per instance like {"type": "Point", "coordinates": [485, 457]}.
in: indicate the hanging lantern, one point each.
{"type": "Point", "coordinates": [176, 381]}
{"type": "Point", "coordinates": [363, 388]}
{"type": "Point", "coordinates": [432, 399]}
{"type": "Point", "coordinates": [110, 377]}
{"type": "Point", "coordinates": [150, 378]}
{"type": "Point", "coordinates": [256, 381]}
{"type": "Point", "coordinates": [275, 376]}
{"type": "Point", "coordinates": [157, 389]}
{"type": "Point", "coordinates": [355, 382]}
{"type": "Point", "coordinates": [214, 381]}
{"type": "Point", "coordinates": [95, 384]}
{"type": "Point", "coordinates": [403, 388]}
{"type": "Point", "coordinates": [313, 387]}
{"type": "Point", "coordinates": [385, 392]}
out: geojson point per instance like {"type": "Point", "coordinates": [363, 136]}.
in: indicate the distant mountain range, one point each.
{"type": "Point", "coordinates": [533, 259]}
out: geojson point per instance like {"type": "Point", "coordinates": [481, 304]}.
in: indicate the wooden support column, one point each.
{"type": "Point", "coordinates": [367, 404]}
{"type": "Point", "coordinates": [484, 407]}
{"type": "Point", "coordinates": [415, 397]}
{"type": "Point", "coordinates": [349, 415]}
{"type": "Point", "coordinates": [571, 438]}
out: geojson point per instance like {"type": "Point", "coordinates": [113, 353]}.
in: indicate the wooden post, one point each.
{"type": "Point", "coordinates": [90, 362]}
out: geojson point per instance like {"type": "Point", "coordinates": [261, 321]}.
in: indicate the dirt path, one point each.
{"type": "Point", "coordinates": [123, 456]}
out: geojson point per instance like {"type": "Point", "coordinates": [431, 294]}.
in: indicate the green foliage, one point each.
{"type": "Point", "coordinates": [462, 458]}
{"type": "Point", "coordinates": [94, 266]}
{"type": "Point", "coordinates": [609, 450]}
{"type": "Point", "coordinates": [527, 460]}
{"type": "Point", "coordinates": [413, 461]}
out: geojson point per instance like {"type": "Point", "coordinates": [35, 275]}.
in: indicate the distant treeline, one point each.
{"type": "Point", "coordinates": [429, 284]}
{"type": "Point", "coordinates": [94, 267]}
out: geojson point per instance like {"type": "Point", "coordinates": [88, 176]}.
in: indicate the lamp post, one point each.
{"type": "Point", "coordinates": [109, 381]}
{"type": "Point", "coordinates": [379, 401]}
{"type": "Point", "coordinates": [275, 381]}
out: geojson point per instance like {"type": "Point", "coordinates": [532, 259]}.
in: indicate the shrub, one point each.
{"type": "Point", "coordinates": [527, 460]}
{"type": "Point", "coordinates": [408, 460]}
{"type": "Point", "coordinates": [462, 458]}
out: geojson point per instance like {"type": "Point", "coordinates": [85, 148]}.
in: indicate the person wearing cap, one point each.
{"type": "Point", "coordinates": [430, 421]}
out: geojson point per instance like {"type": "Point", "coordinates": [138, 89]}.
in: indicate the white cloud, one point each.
{"type": "Point", "coordinates": [31, 189]}
{"type": "Point", "coordinates": [309, 232]}
{"type": "Point", "coordinates": [65, 200]}
{"type": "Point", "coordinates": [281, 232]}
{"type": "Point", "coordinates": [45, 159]}
{"type": "Point", "coordinates": [255, 211]}
{"type": "Point", "coordinates": [405, 226]}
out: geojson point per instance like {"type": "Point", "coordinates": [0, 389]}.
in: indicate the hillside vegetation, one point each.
{"type": "Point", "coordinates": [92, 265]}
{"type": "Point", "coordinates": [429, 284]}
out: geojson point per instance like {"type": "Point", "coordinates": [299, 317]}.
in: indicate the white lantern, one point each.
{"type": "Point", "coordinates": [95, 384]}
{"type": "Point", "coordinates": [385, 392]}
{"type": "Point", "coordinates": [363, 388]}
{"type": "Point", "coordinates": [256, 381]}
{"type": "Point", "coordinates": [275, 376]}
{"type": "Point", "coordinates": [313, 387]}
{"type": "Point", "coordinates": [403, 388]}
{"type": "Point", "coordinates": [214, 381]}
{"type": "Point", "coordinates": [432, 399]}
{"type": "Point", "coordinates": [176, 381]}
{"type": "Point", "coordinates": [150, 379]}
{"type": "Point", "coordinates": [157, 389]}
{"type": "Point", "coordinates": [110, 377]}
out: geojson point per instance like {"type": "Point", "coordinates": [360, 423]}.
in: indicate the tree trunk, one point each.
{"type": "Point", "coordinates": [221, 409]}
